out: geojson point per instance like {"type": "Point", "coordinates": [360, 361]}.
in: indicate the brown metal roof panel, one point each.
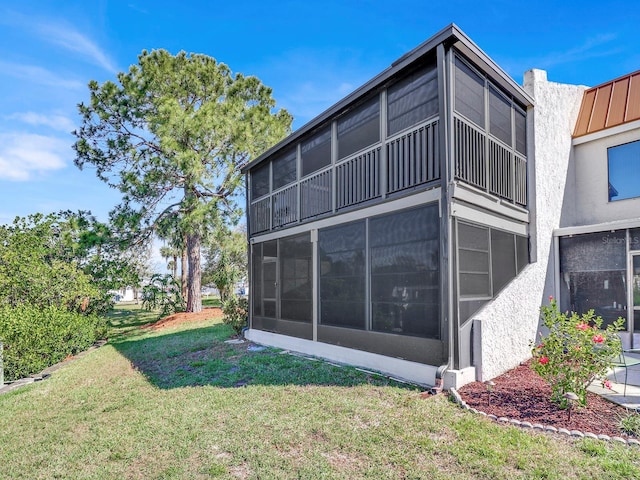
{"type": "Point", "coordinates": [582, 125]}
{"type": "Point", "coordinates": [600, 108]}
{"type": "Point", "coordinates": [633, 101]}
{"type": "Point", "coordinates": [618, 105]}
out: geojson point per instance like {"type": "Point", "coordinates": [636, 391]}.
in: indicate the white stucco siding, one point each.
{"type": "Point", "coordinates": [510, 322]}
{"type": "Point", "coordinates": [592, 204]}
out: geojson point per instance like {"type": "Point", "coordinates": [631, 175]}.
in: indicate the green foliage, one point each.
{"type": "Point", "coordinates": [35, 337]}
{"type": "Point", "coordinates": [575, 352]}
{"type": "Point", "coordinates": [67, 260]}
{"type": "Point", "coordinates": [163, 293]}
{"type": "Point", "coordinates": [37, 266]}
{"type": "Point", "coordinates": [236, 312]}
{"type": "Point", "coordinates": [630, 423]}
{"type": "Point", "coordinates": [172, 135]}
{"type": "Point", "coordinates": [226, 264]}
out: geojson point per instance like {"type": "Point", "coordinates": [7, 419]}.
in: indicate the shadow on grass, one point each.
{"type": "Point", "coordinates": [200, 356]}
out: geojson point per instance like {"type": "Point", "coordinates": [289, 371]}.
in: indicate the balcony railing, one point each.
{"type": "Point", "coordinates": [488, 164]}
{"type": "Point", "coordinates": [407, 160]}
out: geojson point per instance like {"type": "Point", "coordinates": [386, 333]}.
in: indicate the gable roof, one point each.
{"type": "Point", "coordinates": [610, 104]}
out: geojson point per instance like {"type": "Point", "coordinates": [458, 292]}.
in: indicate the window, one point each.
{"type": "Point", "coordinates": [593, 270]}
{"type": "Point", "coordinates": [359, 128]}
{"type": "Point", "coordinates": [473, 261]}
{"type": "Point", "coordinates": [316, 152]}
{"type": "Point", "coordinates": [264, 262]}
{"type": "Point", "coordinates": [503, 259]}
{"type": "Point", "coordinates": [499, 116]}
{"type": "Point", "coordinates": [624, 171]}
{"type": "Point", "coordinates": [412, 99]}
{"type": "Point", "coordinates": [469, 93]}
{"type": "Point", "coordinates": [405, 272]}
{"type": "Point", "coordinates": [342, 275]}
{"type": "Point", "coordinates": [488, 259]}
{"type": "Point", "coordinates": [260, 181]}
{"type": "Point", "coordinates": [284, 169]}
{"type": "Point", "coordinates": [521, 132]}
{"type": "Point", "coordinates": [296, 278]}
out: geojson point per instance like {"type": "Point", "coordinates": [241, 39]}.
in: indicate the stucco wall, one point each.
{"type": "Point", "coordinates": [510, 322]}
{"type": "Point", "coordinates": [591, 180]}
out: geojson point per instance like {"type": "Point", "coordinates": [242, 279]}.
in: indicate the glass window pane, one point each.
{"type": "Point", "coordinates": [284, 169]}
{"type": "Point", "coordinates": [469, 93]}
{"type": "Point", "coordinates": [359, 128]}
{"type": "Point", "coordinates": [624, 171]}
{"type": "Point", "coordinates": [499, 116]}
{"type": "Point", "coordinates": [316, 152]}
{"type": "Point", "coordinates": [260, 181]}
{"type": "Point", "coordinates": [412, 99]}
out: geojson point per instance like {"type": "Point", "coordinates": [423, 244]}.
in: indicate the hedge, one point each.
{"type": "Point", "coordinates": [35, 338]}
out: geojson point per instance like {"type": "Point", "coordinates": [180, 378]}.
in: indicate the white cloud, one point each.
{"type": "Point", "coordinates": [22, 155]}
{"type": "Point", "coordinates": [56, 122]}
{"type": "Point", "coordinates": [593, 47]}
{"type": "Point", "coordinates": [38, 75]}
{"type": "Point", "coordinates": [313, 80]}
{"type": "Point", "coordinates": [74, 41]}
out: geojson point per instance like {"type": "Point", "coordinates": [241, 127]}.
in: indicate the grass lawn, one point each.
{"type": "Point", "coordinates": [180, 403]}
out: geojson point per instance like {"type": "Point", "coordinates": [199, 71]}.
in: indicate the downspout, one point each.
{"type": "Point", "coordinates": [444, 90]}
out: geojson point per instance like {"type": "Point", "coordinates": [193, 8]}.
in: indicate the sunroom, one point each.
{"type": "Point", "coordinates": [378, 228]}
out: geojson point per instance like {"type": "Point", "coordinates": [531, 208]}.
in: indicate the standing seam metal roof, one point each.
{"type": "Point", "coordinates": [610, 104]}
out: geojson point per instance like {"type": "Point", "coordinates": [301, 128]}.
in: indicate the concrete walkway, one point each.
{"type": "Point", "coordinates": [616, 394]}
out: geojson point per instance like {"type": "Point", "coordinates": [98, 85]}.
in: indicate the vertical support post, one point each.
{"type": "Point", "coordinates": [315, 276]}
{"type": "Point", "coordinates": [448, 328]}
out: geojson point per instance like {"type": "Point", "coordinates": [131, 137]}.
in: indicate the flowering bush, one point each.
{"type": "Point", "coordinates": [575, 352]}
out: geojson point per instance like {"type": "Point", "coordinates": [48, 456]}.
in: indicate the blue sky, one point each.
{"type": "Point", "coordinates": [310, 53]}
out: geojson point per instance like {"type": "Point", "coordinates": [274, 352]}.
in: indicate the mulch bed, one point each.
{"type": "Point", "coordinates": [522, 395]}
{"type": "Point", "coordinates": [184, 317]}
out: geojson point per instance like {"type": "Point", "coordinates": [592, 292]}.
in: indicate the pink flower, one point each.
{"type": "Point", "coordinates": [551, 298]}
{"type": "Point", "coordinates": [582, 326]}
{"type": "Point", "coordinates": [606, 384]}
{"type": "Point", "coordinates": [544, 360]}
{"type": "Point", "coordinates": [598, 339]}
{"type": "Point", "coordinates": [540, 346]}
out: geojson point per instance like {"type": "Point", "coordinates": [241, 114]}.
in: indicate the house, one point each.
{"type": "Point", "coordinates": [598, 240]}
{"type": "Point", "coordinates": [416, 226]}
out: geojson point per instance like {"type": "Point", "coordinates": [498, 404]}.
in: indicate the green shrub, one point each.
{"type": "Point", "coordinates": [35, 338]}
{"type": "Point", "coordinates": [629, 423]}
{"type": "Point", "coordinates": [575, 352]}
{"type": "Point", "coordinates": [163, 293]}
{"type": "Point", "coordinates": [236, 311]}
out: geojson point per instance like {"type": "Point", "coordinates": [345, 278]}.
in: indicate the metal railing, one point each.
{"type": "Point", "coordinates": [490, 165]}
{"type": "Point", "coordinates": [412, 159]}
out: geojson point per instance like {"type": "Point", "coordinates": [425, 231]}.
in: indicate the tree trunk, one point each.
{"type": "Point", "coordinates": [183, 273]}
{"type": "Point", "coordinates": [175, 267]}
{"type": "Point", "coordinates": [194, 294]}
